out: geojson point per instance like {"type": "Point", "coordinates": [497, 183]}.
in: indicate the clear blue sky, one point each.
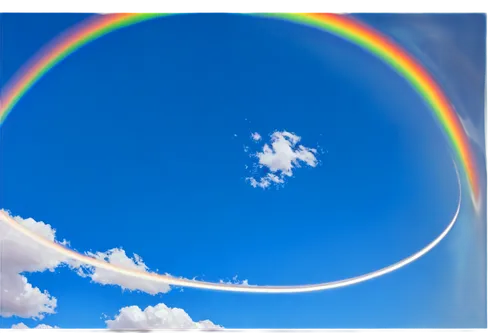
{"type": "Point", "coordinates": [130, 142]}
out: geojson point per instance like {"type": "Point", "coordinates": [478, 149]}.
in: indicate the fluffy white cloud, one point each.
{"type": "Point", "coordinates": [20, 298]}
{"type": "Point", "coordinates": [118, 257]}
{"type": "Point", "coordinates": [280, 158]}
{"type": "Point", "coordinates": [156, 317]}
{"type": "Point", "coordinates": [22, 326]}
{"type": "Point", "coordinates": [19, 254]}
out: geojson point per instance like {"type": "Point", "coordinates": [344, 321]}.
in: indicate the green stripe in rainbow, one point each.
{"type": "Point", "coordinates": [341, 25]}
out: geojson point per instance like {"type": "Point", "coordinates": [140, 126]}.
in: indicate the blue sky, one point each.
{"type": "Point", "coordinates": [137, 142]}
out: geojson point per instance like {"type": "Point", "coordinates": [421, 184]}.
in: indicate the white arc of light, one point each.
{"type": "Point", "coordinates": [182, 282]}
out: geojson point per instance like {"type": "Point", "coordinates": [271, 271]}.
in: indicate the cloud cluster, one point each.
{"type": "Point", "coordinates": [159, 316]}
{"type": "Point", "coordinates": [280, 158]}
{"type": "Point", "coordinates": [20, 255]}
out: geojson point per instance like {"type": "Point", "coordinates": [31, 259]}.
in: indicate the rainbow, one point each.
{"type": "Point", "coordinates": [341, 25]}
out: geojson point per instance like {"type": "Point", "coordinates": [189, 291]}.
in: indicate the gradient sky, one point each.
{"type": "Point", "coordinates": [137, 142]}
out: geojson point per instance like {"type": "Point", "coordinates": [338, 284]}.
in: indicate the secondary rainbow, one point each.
{"type": "Point", "coordinates": [341, 25]}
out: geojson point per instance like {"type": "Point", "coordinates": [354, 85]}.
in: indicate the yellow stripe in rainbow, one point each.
{"type": "Point", "coordinates": [341, 25]}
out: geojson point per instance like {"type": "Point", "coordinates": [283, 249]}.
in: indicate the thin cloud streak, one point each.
{"type": "Point", "coordinates": [181, 282]}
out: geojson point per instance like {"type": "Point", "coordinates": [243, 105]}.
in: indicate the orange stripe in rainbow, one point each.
{"type": "Point", "coordinates": [341, 25]}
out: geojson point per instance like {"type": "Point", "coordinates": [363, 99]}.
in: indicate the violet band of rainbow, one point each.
{"type": "Point", "coordinates": [341, 25]}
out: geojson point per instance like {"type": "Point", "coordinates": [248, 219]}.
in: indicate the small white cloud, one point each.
{"type": "Point", "coordinates": [156, 317]}
{"type": "Point", "coordinates": [256, 136]}
{"type": "Point", "coordinates": [281, 158]}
